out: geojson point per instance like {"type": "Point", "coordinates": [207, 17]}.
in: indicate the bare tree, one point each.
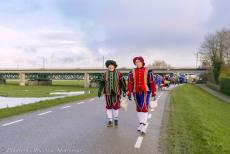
{"type": "Point", "coordinates": [215, 51]}
{"type": "Point", "coordinates": [161, 64]}
{"type": "Point", "coordinates": [226, 43]}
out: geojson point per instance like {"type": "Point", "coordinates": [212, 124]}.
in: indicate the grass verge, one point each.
{"type": "Point", "coordinates": [197, 123]}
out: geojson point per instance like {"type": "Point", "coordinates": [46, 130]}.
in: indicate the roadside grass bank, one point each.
{"type": "Point", "coordinates": [196, 123]}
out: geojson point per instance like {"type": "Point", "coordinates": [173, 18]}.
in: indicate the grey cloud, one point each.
{"type": "Point", "coordinates": [127, 27]}
{"type": "Point", "coordinates": [220, 15]}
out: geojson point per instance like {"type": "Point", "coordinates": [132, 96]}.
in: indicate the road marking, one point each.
{"type": "Point", "coordinates": [44, 113]}
{"type": "Point", "coordinates": [81, 103]}
{"type": "Point", "coordinates": [64, 107]}
{"type": "Point", "coordinates": [139, 142]}
{"type": "Point", "coordinates": [6, 124]}
{"type": "Point", "coordinates": [152, 110]}
{"type": "Point", "coordinates": [149, 116]}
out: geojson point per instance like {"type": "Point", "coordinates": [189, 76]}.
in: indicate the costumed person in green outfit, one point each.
{"type": "Point", "coordinates": [112, 85]}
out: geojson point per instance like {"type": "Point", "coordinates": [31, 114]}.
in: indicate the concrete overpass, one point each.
{"type": "Point", "coordinates": [82, 73]}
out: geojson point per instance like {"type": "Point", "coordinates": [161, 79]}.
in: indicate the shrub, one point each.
{"type": "Point", "coordinates": [225, 85]}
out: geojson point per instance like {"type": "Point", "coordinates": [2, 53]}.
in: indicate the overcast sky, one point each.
{"type": "Point", "coordinates": [78, 33]}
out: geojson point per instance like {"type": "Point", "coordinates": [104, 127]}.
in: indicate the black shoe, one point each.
{"type": "Point", "coordinates": [116, 122]}
{"type": "Point", "coordinates": [110, 124]}
{"type": "Point", "coordinates": [140, 127]}
{"type": "Point", "coordinates": [144, 129]}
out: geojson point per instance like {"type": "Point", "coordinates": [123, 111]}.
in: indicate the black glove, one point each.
{"type": "Point", "coordinates": [99, 94]}
{"type": "Point", "coordinates": [124, 94]}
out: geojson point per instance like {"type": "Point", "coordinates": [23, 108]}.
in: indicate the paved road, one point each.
{"type": "Point", "coordinates": [215, 93]}
{"type": "Point", "coordinates": [80, 128]}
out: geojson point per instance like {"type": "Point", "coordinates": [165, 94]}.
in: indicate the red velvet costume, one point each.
{"type": "Point", "coordinates": [142, 84]}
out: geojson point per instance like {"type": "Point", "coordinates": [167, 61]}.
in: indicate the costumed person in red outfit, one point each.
{"type": "Point", "coordinates": [112, 85]}
{"type": "Point", "coordinates": [142, 84]}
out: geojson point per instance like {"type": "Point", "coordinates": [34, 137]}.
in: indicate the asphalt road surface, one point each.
{"type": "Point", "coordinates": [81, 128]}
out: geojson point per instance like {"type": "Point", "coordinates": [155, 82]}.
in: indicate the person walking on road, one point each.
{"type": "Point", "coordinates": [142, 84]}
{"type": "Point", "coordinates": [112, 85]}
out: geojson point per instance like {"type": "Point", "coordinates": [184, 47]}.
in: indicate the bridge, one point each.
{"type": "Point", "coordinates": [80, 74]}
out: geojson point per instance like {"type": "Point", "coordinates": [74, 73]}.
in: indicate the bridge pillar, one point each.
{"type": "Point", "coordinates": [87, 80]}
{"type": "Point", "coordinates": [2, 80]}
{"type": "Point", "coordinates": [22, 79]}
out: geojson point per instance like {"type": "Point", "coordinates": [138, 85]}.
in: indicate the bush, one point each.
{"type": "Point", "coordinates": [225, 85]}
{"type": "Point", "coordinates": [225, 72]}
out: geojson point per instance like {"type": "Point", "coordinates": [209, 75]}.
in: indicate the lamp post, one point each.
{"type": "Point", "coordinates": [197, 58]}
{"type": "Point", "coordinates": [103, 62]}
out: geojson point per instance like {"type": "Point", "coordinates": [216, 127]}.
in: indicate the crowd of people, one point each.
{"type": "Point", "coordinates": [164, 81]}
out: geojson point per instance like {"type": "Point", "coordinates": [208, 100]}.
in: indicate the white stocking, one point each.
{"type": "Point", "coordinates": [145, 117]}
{"type": "Point", "coordinates": [139, 116]}
{"type": "Point", "coordinates": [109, 114]}
{"type": "Point", "coordinates": [115, 114]}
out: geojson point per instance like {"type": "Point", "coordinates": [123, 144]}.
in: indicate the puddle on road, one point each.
{"type": "Point", "coordinates": [68, 93]}
{"type": "Point", "coordinates": [16, 101]}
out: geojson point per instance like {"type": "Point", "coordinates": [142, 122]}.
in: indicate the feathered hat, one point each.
{"type": "Point", "coordinates": [139, 58]}
{"type": "Point", "coordinates": [110, 62]}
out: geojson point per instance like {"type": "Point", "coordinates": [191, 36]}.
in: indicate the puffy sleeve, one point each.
{"type": "Point", "coordinates": [152, 82]}
{"type": "Point", "coordinates": [130, 83]}
{"type": "Point", "coordinates": [101, 85]}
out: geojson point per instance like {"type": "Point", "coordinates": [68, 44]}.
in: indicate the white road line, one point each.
{"type": "Point", "coordinates": [6, 124]}
{"type": "Point", "coordinates": [149, 116]}
{"type": "Point", "coordinates": [152, 110]}
{"type": "Point", "coordinates": [139, 142]}
{"type": "Point", "coordinates": [44, 113]}
{"type": "Point", "coordinates": [81, 103]}
{"type": "Point", "coordinates": [64, 107]}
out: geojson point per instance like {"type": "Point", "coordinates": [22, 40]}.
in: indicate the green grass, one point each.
{"type": "Point", "coordinates": [79, 83]}
{"type": "Point", "coordinates": [12, 88]}
{"type": "Point", "coordinates": [198, 123]}
{"type": "Point", "coordinates": [7, 112]}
